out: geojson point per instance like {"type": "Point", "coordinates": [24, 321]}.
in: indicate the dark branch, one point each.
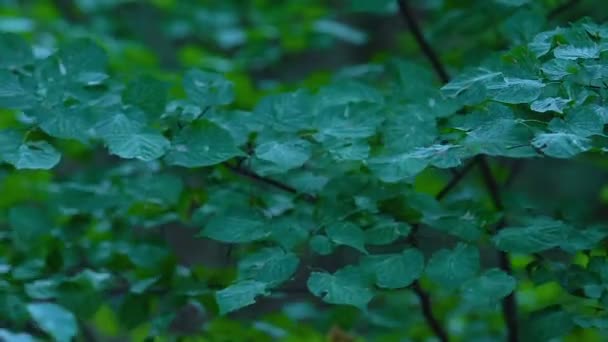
{"type": "Point", "coordinates": [458, 176]}
{"type": "Point", "coordinates": [239, 170]}
{"type": "Point", "coordinates": [427, 311]}
{"type": "Point", "coordinates": [410, 18]}
{"type": "Point", "coordinates": [490, 182]}
{"type": "Point", "coordinates": [509, 303]}
{"type": "Point", "coordinates": [562, 8]}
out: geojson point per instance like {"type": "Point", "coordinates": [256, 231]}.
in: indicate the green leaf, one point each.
{"type": "Point", "coordinates": [396, 168]}
{"type": "Point", "coordinates": [26, 155]}
{"type": "Point", "coordinates": [579, 45]}
{"type": "Point", "coordinates": [239, 227]}
{"type": "Point", "coordinates": [348, 234]}
{"type": "Point", "coordinates": [561, 145]}
{"type": "Point", "coordinates": [321, 245]}
{"type": "Point", "coordinates": [451, 268]}
{"type": "Point", "coordinates": [146, 145]}
{"type": "Point", "coordinates": [7, 335]}
{"type": "Point", "coordinates": [347, 286]}
{"type": "Point", "coordinates": [207, 88]}
{"type": "Point", "coordinates": [81, 58]}
{"type": "Point", "coordinates": [539, 234]}
{"type": "Point", "coordinates": [289, 112]}
{"type": "Point", "coordinates": [202, 144]}
{"type": "Point", "coordinates": [386, 232]}
{"type": "Point", "coordinates": [54, 320]}
{"type": "Point", "coordinates": [65, 123]}
{"type": "Point", "coordinates": [15, 51]}
{"type": "Point", "coordinates": [12, 93]}
{"type": "Point", "coordinates": [348, 92]}
{"type": "Point", "coordinates": [514, 90]}
{"type": "Point", "coordinates": [488, 289]}
{"type": "Point", "coordinates": [555, 104]}
{"type": "Point", "coordinates": [285, 155]}
{"type": "Point", "coordinates": [28, 225]}
{"type": "Point", "coordinates": [148, 94]}
{"type": "Point", "coordinates": [393, 271]}
{"type": "Point", "coordinates": [468, 80]}
{"type": "Point", "coordinates": [239, 295]}
{"type": "Point", "coordinates": [272, 266]}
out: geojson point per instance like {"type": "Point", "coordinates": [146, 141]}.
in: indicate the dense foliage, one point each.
{"type": "Point", "coordinates": [303, 171]}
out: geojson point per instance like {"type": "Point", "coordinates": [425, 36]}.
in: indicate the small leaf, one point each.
{"type": "Point", "coordinates": [396, 168]}
{"type": "Point", "coordinates": [555, 104]}
{"type": "Point", "coordinates": [202, 144]}
{"type": "Point", "coordinates": [207, 88]}
{"type": "Point", "coordinates": [239, 295]}
{"type": "Point", "coordinates": [9, 336]}
{"type": "Point", "coordinates": [561, 145]}
{"type": "Point", "coordinates": [515, 90]}
{"type": "Point", "coordinates": [272, 266]}
{"type": "Point", "coordinates": [54, 320]}
{"type": "Point", "coordinates": [26, 155]}
{"type": "Point", "coordinates": [347, 286]}
{"type": "Point", "coordinates": [346, 233]}
{"type": "Point", "coordinates": [146, 145]}
{"type": "Point", "coordinates": [451, 268]}
{"type": "Point", "coordinates": [386, 232]}
{"type": "Point", "coordinates": [239, 227]}
{"type": "Point", "coordinates": [539, 234]}
{"type": "Point", "coordinates": [285, 155]}
{"type": "Point", "coordinates": [393, 271]}
{"type": "Point", "coordinates": [489, 288]}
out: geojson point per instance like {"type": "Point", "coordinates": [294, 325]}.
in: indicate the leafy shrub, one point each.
{"type": "Point", "coordinates": [152, 194]}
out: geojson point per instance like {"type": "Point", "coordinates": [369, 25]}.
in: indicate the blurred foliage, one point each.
{"type": "Point", "coordinates": [296, 171]}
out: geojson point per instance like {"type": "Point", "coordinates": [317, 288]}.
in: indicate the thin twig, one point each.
{"type": "Point", "coordinates": [410, 18]}
{"type": "Point", "coordinates": [509, 303]}
{"type": "Point", "coordinates": [427, 310]}
{"type": "Point", "coordinates": [458, 176]}
{"type": "Point", "coordinates": [562, 8]}
{"type": "Point", "coordinates": [270, 181]}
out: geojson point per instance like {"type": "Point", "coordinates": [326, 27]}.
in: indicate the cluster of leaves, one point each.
{"type": "Point", "coordinates": [359, 193]}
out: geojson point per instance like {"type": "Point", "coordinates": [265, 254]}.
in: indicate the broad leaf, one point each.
{"type": "Point", "coordinates": [202, 144]}
{"type": "Point", "coordinates": [451, 268]}
{"type": "Point", "coordinates": [54, 320]}
{"type": "Point", "coordinates": [346, 233]}
{"type": "Point", "coordinates": [488, 289]}
{"type": "Point", "coordinates": [239, 295]}
{"type": "Point", "coordinates": [207, 88]}
{"type": "Point", "coordinates": [272, 266]}
{"type": "Point", "coordinates": [538, 235]}
{"type": "Point", "coordinates": [348, 286]}
{"type": "Point", "coordinates": [394, 271]}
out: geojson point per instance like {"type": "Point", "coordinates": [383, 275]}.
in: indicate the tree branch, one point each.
{"type": "Point", "coordinates": [409, 17]}
{"type": "Point", "coordinates": [509, 304]}
{"type": "Point", "coordinates": [427, 311]}
{"type": "Point", "coordinates": [239, 170]}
